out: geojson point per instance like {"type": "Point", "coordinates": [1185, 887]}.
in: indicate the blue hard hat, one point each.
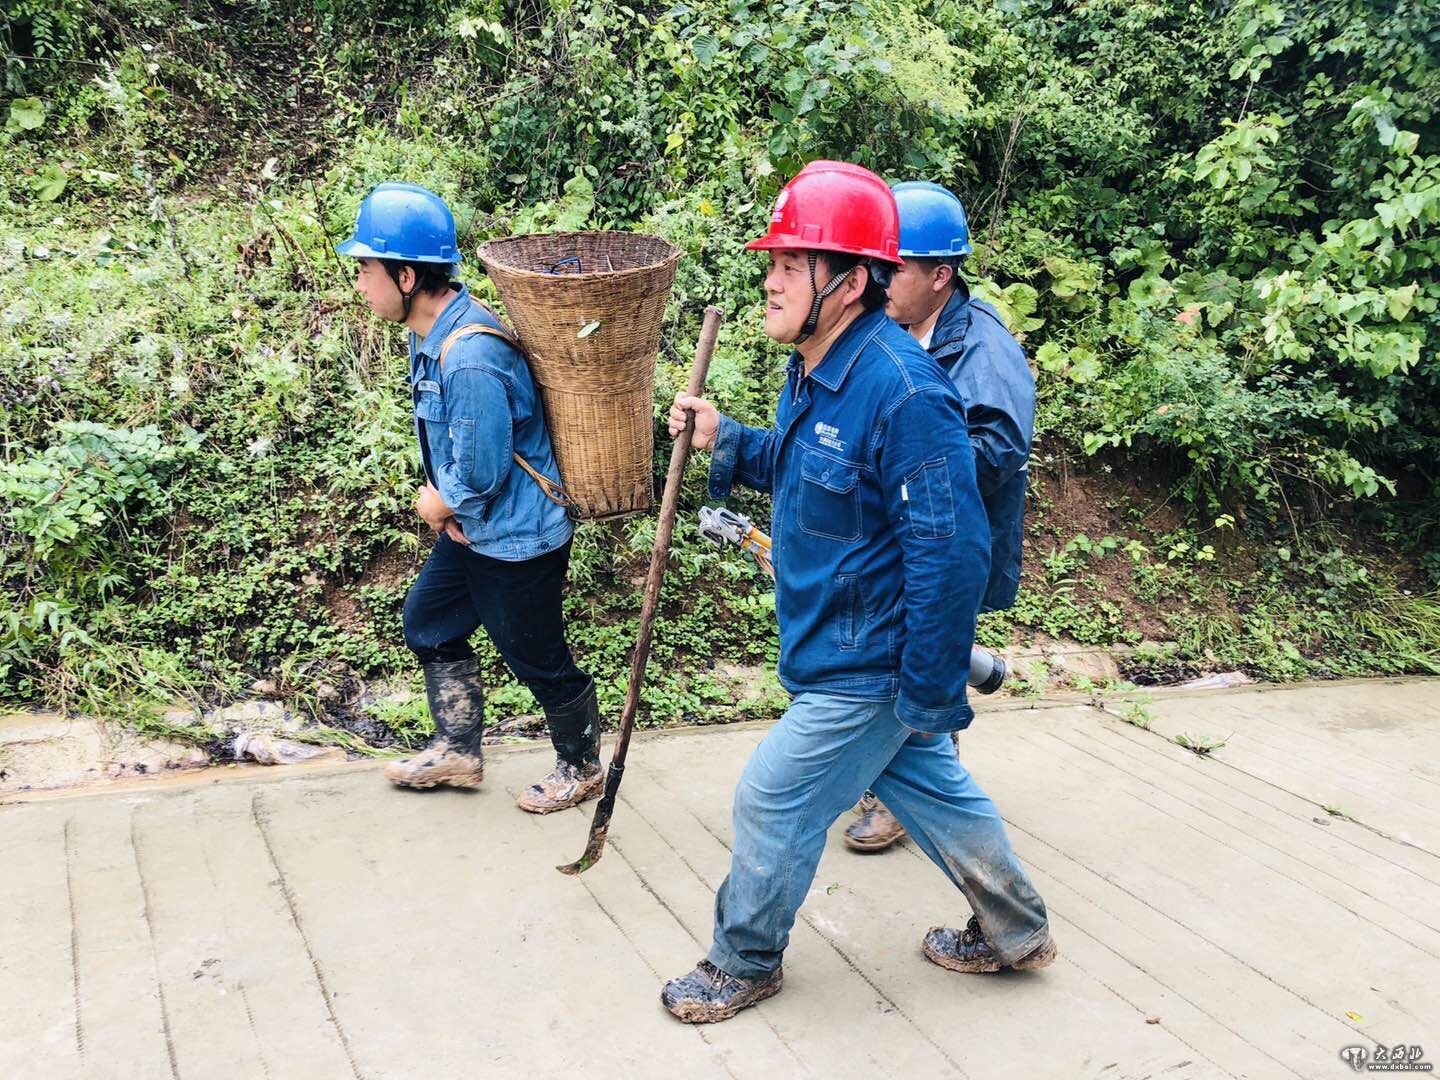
{"type": "Point", "coordinates": [932, 222]}
{"type": "Point", "coordinates": [404, 222]}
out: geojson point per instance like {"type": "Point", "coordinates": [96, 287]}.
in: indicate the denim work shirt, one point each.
{"type": "Point", "coordinates": [469, 419]}
{"type": "Point", "coordinates": [877, 523]}
{"type": "Point", "coordinates": [988, 368]}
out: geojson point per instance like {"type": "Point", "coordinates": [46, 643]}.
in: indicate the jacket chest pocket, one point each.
{"type": "Point", "coordinates": [829, 497]}
{"type": "Point", "coordinates": [429, 405]}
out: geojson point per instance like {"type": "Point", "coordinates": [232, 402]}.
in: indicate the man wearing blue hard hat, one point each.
{"type": "Point", "coordinates": [502, 534]}
{"type": "Point", "coordinates": [987, 366]}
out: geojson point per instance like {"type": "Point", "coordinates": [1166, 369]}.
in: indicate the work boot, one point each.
{"type": "Point", "coordinates": [575, 734]}
{"type": "Point", "coordinates": [456, 695]}
{"type": "Point", "coordinates": [877, 828]}
{"type": "Point", "coordinates": [707, 994]}
{"type": "Point", "coordinates": [967, 950]}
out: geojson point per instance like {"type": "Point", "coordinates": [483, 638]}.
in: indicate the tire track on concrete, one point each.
{"type": "Point", "coordinates": [154, 948]}
{"type": "Point", "coordinates": [258, 817]}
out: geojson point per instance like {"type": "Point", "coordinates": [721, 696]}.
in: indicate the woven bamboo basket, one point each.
{"type": "Point", "coordinates": [597, 382]}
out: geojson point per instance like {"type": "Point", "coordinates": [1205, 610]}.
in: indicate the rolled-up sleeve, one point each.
{"type": "Point", "coordinates": [741, 455]}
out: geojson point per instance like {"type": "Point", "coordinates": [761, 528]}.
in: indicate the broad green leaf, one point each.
{"type": "Point", "coordinates": [706, 46]}
{"type": "Point", "coordinates": [1399, 301]}
{"type": "Point", "coordinates": [50, 183]}
{"type": "Point", "coordinates": [1405, 143]}
{"type": "Point", "coordinates": [1084, 365]}
{"type": "Point", "coordinates": [1050, 357]}
{"type": "Point", "coordinates": [1392, 352]}
{"type": "Point", "coordinates": [1149, 288]}
{"type": "Point", "coordinates": [578, 203]}
{"type": "Point", "coordinates": [27, 114]}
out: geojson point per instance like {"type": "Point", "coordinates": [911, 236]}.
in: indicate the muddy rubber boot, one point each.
{"type": "Point", "coordinates": [967, 950]}
{"type": "Point", "coordinates": [877, 828]}
{"type": "Point", "coordinates": [708, 995]}
{"type": "Point", "coordinates": [456, 695]}
{"type": "Point", "coordinates": [577, 776]}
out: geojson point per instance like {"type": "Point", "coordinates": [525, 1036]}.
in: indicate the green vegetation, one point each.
{"type": "Point", "coordinates": [1215, 227]}
{"type": "Point", "coordinates": [1201, 745]}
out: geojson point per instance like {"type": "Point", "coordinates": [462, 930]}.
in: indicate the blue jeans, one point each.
{"type": "Point", "coordinates": [811, 767]}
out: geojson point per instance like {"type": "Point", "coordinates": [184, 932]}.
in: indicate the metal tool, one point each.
{"type": "Point", "coordinates": [721, 525]}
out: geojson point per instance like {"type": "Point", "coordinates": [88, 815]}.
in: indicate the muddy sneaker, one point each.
{"type": "Point", "coordinates": [967, 950]}
{"type": "Point", "coordinates": [877, 828]}
{"type": "Point", "coordinates": [708, 995]}
{"type": "Point", "coordinates": [438, 763]}
{"type": "Point", "coordinates": [568, 785]}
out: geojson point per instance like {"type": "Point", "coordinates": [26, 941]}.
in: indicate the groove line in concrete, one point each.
{"type": "Point", "coordinates": [634, 945]}
{"type": "Point", "coordinates": [1146, 972]}
{"type": "Point", "coordinates": [258, 817]}
{"type": "Point", "coordinates": [1347, 883]}
{"type": "Point", "coordinates": [225, 922]}
{"type": "Point", "coordinates": [1191, 930]}
{"type": "Point", "coordinates": [844, 956]}
{"type": "Point", "coordinates": [1293, 794]}
{"type": "Point", "coordinates": [1339, 745]}
{"type": "Point", "coordinates": [74, 936]}
{"type": "Point", "coordinates": [154, 947]}
{"type": "Point", "coordinates": [679, 922]}
{"type": "Point", "coordinates": [1158, 749]}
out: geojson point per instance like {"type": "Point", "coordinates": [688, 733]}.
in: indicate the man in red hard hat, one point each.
{"type": "Point", "coordinates": [883, 536]}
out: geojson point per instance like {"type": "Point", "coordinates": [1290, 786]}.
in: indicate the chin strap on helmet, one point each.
{"type": "Point", "coordinates": [813, 319]}
{"type": "Point", "coordinates": [393, 269]}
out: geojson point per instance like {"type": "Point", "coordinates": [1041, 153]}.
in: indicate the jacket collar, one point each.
{"type": "Point", "coordinates": [452, 317]}
{"type": "Point", "coordinates": [841, 356]}
{"type": "Point", "coordinates": [954, 321]}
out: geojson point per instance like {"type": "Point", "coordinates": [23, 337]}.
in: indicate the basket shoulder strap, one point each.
{"type": "Point", "coordinates": [470, 330]}
{"type": "Point", "coordinates": [553, 491]}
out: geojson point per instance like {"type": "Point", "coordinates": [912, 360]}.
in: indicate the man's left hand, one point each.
{"type": "Point", "coordinates": [431, 508]}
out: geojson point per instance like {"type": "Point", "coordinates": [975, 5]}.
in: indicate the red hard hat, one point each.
{"type": "Point", "coordinates": [835, 206]}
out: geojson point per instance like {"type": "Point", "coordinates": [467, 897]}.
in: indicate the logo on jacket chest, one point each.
{"type": "Point", "coordinates": [829, 435]}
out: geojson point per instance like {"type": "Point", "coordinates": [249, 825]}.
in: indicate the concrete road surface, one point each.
{"type": "Point", "coordinates": [1213, 918]}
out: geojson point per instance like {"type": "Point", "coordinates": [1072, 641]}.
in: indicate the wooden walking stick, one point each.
{"type": "Point", "coordinates": [679, 455]}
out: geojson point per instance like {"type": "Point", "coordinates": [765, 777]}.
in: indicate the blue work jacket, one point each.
{"type": "Point", "coordinates": [988, 368]}
{"type": "Point", "coordinates": [470, 418]}
{"type": "Point", "coordinates": [876, 520]}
